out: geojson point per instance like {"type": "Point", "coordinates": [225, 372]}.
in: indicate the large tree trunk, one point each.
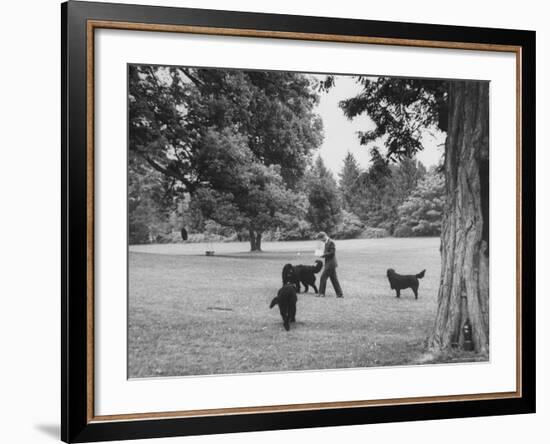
{"type": "Point", "coordinates": [464, 287]}
{"type": "Point", "coordinates": [255, 240]}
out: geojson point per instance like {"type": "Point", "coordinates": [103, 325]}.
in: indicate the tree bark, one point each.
{"type": "Point", "coordinates": [255, 240]}
{"type": "Point", "coordinates": [258, 241]}
{"type": "Point", "coordinates": [464, 286]}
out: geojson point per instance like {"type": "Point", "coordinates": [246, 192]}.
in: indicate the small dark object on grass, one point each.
{"type": "Point", "coordinates": [400, 282]}
{"type": "Point", "coordinates": [209, 253]}
{"type": "Point", "coordinates": [219, 308]}
{"type": "Point", "coordinates": [184, 235]}
{"type": "Point", "coordinates": [302, 273]}
{"type": "Point", "coordinates": [286, 300]}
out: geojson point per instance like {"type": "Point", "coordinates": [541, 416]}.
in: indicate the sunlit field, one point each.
{"type": "Point", "coordinates": [192, 314]}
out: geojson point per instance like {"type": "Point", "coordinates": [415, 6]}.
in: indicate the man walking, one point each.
{"type": "Point", "coordinates": [330, 266]}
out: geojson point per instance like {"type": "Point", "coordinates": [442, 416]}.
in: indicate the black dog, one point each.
{"type": "Point", "coordinates": [400, 282]}
{"type": "Point", "coordinates": [286, 300]}
{"type": "Point", "coordinates": [305, 274]}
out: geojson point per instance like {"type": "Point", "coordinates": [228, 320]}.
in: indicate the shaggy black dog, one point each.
{"type": "Point", "coordinates": [286, 300]}
{"type": "Point", "coordinates": [302, 273]}
{"type": "Point", "coordinates": [400, 282]}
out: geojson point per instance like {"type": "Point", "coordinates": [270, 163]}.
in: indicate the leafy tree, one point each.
{"type": "Point", "coordinates": [199, 126]}
{"type": "Point", "coordinates": [374, 199]}
{"type": "Point", "coordinates": [407, 174]}
{"type": "Point", "coordinates": [377, 192]}
{"type": "Point", "coordinates": [324, 202]}
{"type": "Point", "coordinates": [349, 182]}
{"type": "Point", "coordinates": [402, 109]}
{"type": "Point", "coordinates": [421, 214]}
{"type": "Point", "coordinates": [259, 201]}
{"type": "Point", "coordinates": [150, 203]}
{"type": "Point", "coordinates": [173, 110]}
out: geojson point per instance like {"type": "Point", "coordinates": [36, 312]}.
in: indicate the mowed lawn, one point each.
{"type": "Point", "coordinates": [191, 314]}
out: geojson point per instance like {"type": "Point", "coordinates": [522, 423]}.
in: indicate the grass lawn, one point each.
{"type": "Point", "coordinates": [190, 314]}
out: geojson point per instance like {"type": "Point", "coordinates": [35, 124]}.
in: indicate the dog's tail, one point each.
{"type": "Point", "coordinates": [421, 274]}
{"type": "Point", "coordinates": [286, 271]}
{"type": "Point", "coordinates": [274, 302]}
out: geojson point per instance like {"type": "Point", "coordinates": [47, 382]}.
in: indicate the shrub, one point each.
{"type": "Point", "coordinates": [204, 237]}
{"type": "Point", "coordinates": [138, 233]}
{"type": "Point", "coordinates": [403, 231]}
{"type": "Point", "coordinates": [349, 227]}
{"type": "Point", "coordinates": [172, 237]}
{"type": "Point", "coordinates": [298, 230]}
{"type": "Point", "coordinates": [373, 233]}
{"type": "Point", "coordinates": [213, 228]}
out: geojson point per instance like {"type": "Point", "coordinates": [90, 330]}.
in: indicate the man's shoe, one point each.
{"type": "Point", "coordinates": [340, 296]}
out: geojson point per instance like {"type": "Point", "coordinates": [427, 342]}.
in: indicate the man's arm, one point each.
{"type": "Point", "coordinates": [330, 250]}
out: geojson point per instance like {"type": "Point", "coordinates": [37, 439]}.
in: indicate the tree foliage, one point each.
{"type": "Point", "coordinates": [349, 181]}
{"type": "Point", "coordinates": [401, 110]}
{"type": "Point", "coordinates": [151, 203]}
{"type": "Point", "coordinates": [323, 196]}
{"type": "Point", "coordinates": [258, 201]}
{"type": "Point", "coordinates": [422, 212]}
{"type": "Point", "coordinates": [238, 139]}
{"type": "Point", "coordinates": [349, 226]}
{"type": "Point", "coordinates": [375, 194]}
{"type": "Point", "coordinates": [175, 113]}
{"type": "Point", "coordinates": [374, 197]}
{"type": "Point", "coordinates": [407, 173]}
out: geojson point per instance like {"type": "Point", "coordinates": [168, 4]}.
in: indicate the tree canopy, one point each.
{"type": "Point", "coordinates": [241, 139]}
{"type": "Point", "coordinates": [175, 113]}
{"type": "Point", "coordinates": [349, 181]}
{"type": "Point", "coordinates": [258, 202]}
{"type": "Point", "coordinates": [324, 199]}
{"type": "Point", "coordinates": [401, 110]}
{"type": "Point", "coordinates": [421, 213]}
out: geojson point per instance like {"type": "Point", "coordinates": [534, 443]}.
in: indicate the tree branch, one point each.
{"type": "Point", "coordinates": [189, 186]}
{"type": "Point", "coordinates": [191, 77]}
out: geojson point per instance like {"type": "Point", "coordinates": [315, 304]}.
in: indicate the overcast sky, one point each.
{"type": "Point", "coordinates": [341, 133]}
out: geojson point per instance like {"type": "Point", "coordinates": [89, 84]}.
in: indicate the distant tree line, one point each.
{"type": "Point", "coordinates": [385, 199]}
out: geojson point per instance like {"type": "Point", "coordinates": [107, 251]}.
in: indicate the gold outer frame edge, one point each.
{"type": "Point", "coordinates": [97, 24]}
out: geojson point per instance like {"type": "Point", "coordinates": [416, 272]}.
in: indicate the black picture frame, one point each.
{"type": "Point", "coordinates": [77, 425]}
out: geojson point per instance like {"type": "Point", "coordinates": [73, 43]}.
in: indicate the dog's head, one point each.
{"type": "Point", "coordinates": [390, 272]}
{"type": "Point", "coordinates": [289, 274]}
{"type": "Point", "coordinates": [318, 265]}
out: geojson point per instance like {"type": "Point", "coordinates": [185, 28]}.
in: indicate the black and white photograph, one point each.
{"type": "Point", "coordinates": [288, 221]}
{"type": "Point", "coordinates": [275, 222]}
